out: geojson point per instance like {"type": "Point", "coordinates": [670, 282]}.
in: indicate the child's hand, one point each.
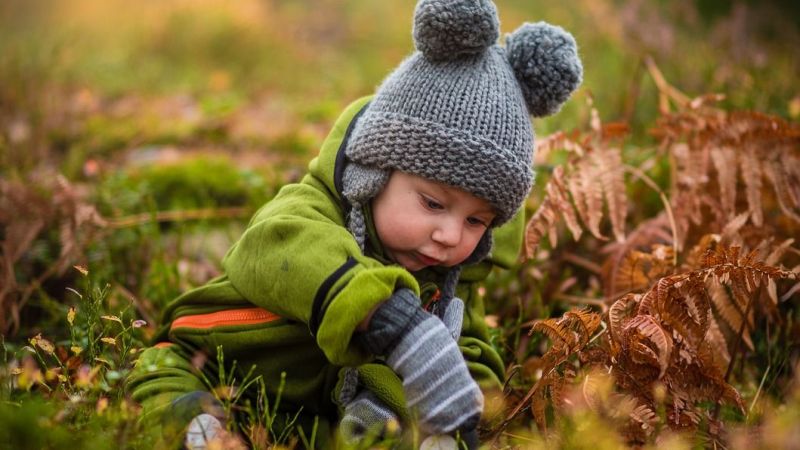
{"type": "Point", "coordinates": [420, 349]}
{"type": "Point", "coordinates": [367, 416]}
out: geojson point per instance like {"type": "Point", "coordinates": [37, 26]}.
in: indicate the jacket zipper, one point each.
{"type": "Point", "coordinates": [245, 316]}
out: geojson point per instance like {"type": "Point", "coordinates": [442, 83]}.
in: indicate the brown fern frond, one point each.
{"type": "Point", "coordinates": [716, 340]}
{"type": "Point", "coordinates": [557, 330]}
{"type": "Point", "coordinates": [560, 198]}
{"type": "Point", "coordinates": [696, 257]}
{"type": "Point", "coordinates": [555, 203]}
{"type": "Point", "coordinates": [588, 321]}
{"type": "Point", "coordinates": [786, 190]}
{"type": "Point", "coordinates": [587, 188]}
{"type": "Point", "coordinates": [727, 309]}
{"type": "Point", "coordinates": [696, 297]}
{"type": "Point", "coordinates": [777, 253]}
{"type": "Point", "coordinates": [725, 163]}
{"type": "Point", "coordinates": [644, 415]}
{"type": "Point", "coordinates": [648, 328]}
{"type": "Point", "coordinates": [612, 179]}
{"type": "Point", "coordinates": [620, 311]}
{"type": "Point", "coordinates": [640, 270]}
{"type": "Point", "coordinates": [751, 174]}
{"type": "Point", "coordinates": [651, 232]}
{"type": "Point", "coordinates": [675, 312]}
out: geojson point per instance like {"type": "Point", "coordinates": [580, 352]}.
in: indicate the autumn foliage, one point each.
{"type": "Point", "coordinates": [684, 291]}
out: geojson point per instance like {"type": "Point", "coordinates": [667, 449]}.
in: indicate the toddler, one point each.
{"type": "Point", "coordinates": [359, 283]}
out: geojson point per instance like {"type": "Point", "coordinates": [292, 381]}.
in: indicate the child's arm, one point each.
{"type": "Point", "coordinates": [299, 261]}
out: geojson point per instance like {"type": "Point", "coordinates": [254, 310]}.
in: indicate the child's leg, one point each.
{"type": "Point", "coordinates": [170, 391]}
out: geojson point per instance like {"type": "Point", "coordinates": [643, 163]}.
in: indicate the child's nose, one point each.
{"type": "Point", "coordinates": [448, 233]}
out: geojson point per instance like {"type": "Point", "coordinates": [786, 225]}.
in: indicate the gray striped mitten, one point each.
{"type": "Point", "coordinates": [421, 350]}
{"type": "Point", "coordinates": [366, 415]}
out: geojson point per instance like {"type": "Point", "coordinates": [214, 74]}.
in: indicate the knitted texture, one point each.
{"type": "Point", "coordinates": [557, 70]}
{"type": "Point", "coordinates": [436, 381]}
{"type": "Point", "coordinates": [362, 184]}
{"type": "Point", "coordinates": [366, 415]}
{"type": "Point", "coordinates": [463, 123]}
{"type": "Point", "coordinates": [445, 29]}
{"type": "Point", "coordinates": [390, 321]}
{"type": "Point", "coordinates": [423, 352]}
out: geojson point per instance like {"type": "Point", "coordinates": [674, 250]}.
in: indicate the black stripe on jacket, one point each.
{"type": "Point", "coordinates": [319, 307]}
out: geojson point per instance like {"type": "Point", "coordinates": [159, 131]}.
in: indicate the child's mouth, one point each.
{"type": "Point", "coordinates": [428, 261]}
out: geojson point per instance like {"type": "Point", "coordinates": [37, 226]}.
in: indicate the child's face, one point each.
{"type": "Point", "coordinates": [426, 223]}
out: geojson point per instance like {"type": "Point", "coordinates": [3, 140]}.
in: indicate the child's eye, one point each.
{"type": "Point", "coordinates": [432, 204]}
{"type": "Point", "coordinates": [476, 221]}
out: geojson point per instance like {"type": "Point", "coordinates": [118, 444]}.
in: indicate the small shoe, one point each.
{"type": "Point", "coordinates": [202, 429]}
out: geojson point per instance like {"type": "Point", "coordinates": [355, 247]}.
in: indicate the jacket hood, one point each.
{"type": "Point", "coordinates": [328, 166]}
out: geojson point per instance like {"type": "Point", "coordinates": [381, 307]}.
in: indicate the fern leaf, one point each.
{"type": "Point", "coordinates": [644, 415]}
{"type": "Point", "coordinates": [725, 164]}
{"type": "Point", "coordinates": [788, 198]}
{"type": "Point", "coordinates": [622, 309]}
{"type": "Point", "coordinates": [778, 252]}
{"type": "Point", "coordinates": [591, 191]}
{"type": "Point", "coordinates": [540, 224]}
{"type": "Point", "coordinates": [558, 194]}
{"type": "Point", "coordinates": [612, 179]}
{"type": "Point", "coordinates": [727, 309]}
{"type": "Point", "coordinates": [696, 299]}
{"type": "Point", "coordinates": [716, 340]}
{"type": "Point", "coordinates": [674, 312]}
{"type": "Point", "coordinates": [555, 330]}
{"type": "Point", "coordinates": [588, 320]}
{"type": "Point", "coordinates": [647, 327]}
{"type": "Point", "coordinates": [751, 174]}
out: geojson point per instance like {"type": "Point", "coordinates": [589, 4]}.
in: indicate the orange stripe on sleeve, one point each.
{"type": "Point", "coordinates": [245, 316]}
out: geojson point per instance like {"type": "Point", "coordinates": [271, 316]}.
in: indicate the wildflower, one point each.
{"type": "Point", "coordinates": [112, 318]}
{"type": "Point", "coordinates": [42, 343]}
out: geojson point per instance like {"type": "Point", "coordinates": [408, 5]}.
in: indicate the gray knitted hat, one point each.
{"type": "Point", "coordinates": [457, 110]}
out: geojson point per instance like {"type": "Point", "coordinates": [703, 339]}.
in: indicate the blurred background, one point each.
{"type": "Point", "coordinates": [85, 79]}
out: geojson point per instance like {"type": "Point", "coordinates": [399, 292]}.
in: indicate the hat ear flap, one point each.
{"type": "Point", "coordinates": [545, 61]}
{"type": "Point", "coordinates": [446, 30]}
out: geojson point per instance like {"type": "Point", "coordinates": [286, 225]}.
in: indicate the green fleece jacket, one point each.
{"type": "Point", "coordinates": [294, 289]}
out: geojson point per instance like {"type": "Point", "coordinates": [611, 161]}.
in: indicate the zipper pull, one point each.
{"type": "Point", "coordinates": [430, 306]}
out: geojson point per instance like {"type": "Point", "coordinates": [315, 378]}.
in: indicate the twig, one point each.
{"type": "Point", "coordinates": [144, 307]}
{"type": "Point", "coordinates": [576, 300]}
{"type": "Point", "coordinates": [666, 89]}
{"type": "Point", "coordinates": [758, 392]}
{"type": "Point", "coordinates": [583, 262]}
{"type": "Point", "coordinates": [178, 216]}
{"type": "Point", "coordinates": [652, 184]}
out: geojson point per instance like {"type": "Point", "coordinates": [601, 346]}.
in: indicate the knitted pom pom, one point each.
{"type": "Point", "coordinates": [451, 29]}
{"type": "Point", "coordinates": [546, 63]}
